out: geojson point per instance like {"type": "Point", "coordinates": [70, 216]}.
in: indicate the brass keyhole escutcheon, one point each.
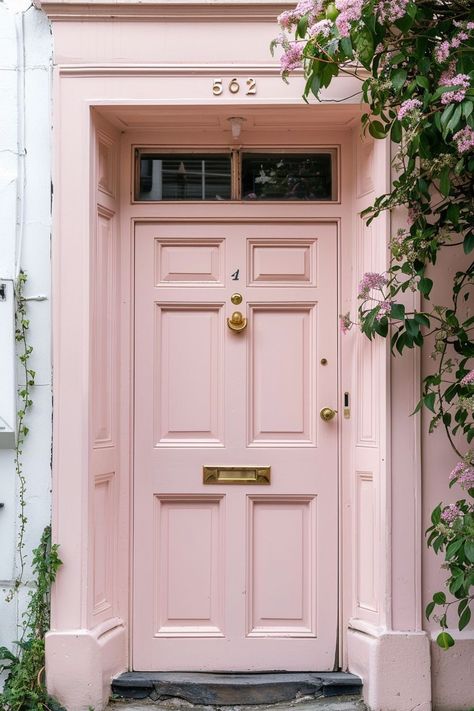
{"type": "Point", "coordinates": [237, 322]}
{"type": "Point", "coordinates": [327, 414]}
{"type": "Point", "coordinates": [236, 299]}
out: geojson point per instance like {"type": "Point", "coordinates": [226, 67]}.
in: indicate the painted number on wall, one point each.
{"type": "Point", "coordinates": [234, 86]}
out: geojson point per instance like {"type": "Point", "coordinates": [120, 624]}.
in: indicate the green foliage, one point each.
{"type": "Point", "coordinates": [22, 325]}
{"type": "Point", "coordinates": [24, 688]}
{"type": "Point", "coordinates": [415, 61]}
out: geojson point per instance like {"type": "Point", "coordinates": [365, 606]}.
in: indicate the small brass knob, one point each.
{"type": "Point", "coordinates": [237, 322]}
{"type": "Point", "coordinates": [327, 414]}
{"type": "Point", "coordinates": [236, 299]}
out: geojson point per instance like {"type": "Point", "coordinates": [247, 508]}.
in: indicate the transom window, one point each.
{"type": "Point", "coordinates": [237, 175]}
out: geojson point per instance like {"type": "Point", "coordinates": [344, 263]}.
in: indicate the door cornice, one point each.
{"type": "Point", "coordinates": [173, 11]}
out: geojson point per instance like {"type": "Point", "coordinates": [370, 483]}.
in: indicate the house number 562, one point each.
{"type": "Point", "coordinates": [234, 86]}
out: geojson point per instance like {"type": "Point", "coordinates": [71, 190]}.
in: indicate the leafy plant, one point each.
{"type": "Point", "coordinates": [24, 688]}
{"type": "Point", "coordinates": [415, 61]}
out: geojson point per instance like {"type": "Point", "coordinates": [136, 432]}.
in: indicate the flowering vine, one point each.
{"type": "Point", "coordinates": [415, 61]}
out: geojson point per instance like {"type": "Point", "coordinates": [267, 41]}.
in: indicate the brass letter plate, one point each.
{"type": "Point", "coordinates": [236, 475]}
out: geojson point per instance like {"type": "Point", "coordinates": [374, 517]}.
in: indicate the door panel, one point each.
{"type": "Point", "coordinates": [235, 576]}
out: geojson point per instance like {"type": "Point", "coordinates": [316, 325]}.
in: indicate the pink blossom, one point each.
{"type": "Point", "coordinates": [345, 323]}
{"type": "Point", "coordinates": [384, 309]}
{"type": "Point", "coordinates": [349, 11]}
{"type": "Point", "coordinates": [461, 81]}
{"type": "Point", "coordinates": [292, 58]}
{"type": "Point", "coordinates": [451, 513]}
{"type": "Point", "coordinates": [391, 10]}
{"type": "Point", "coordinates": [323, 27]}
{"type": "Point", "coordinates": [463, 474]}
{"type": "Point", "coordinates": [312, 8]}
{"type": "Point", "coordinates": [442, 51]}
{"type": "Point", "coordinates": [407, 107]}
{"type": "Point", "coordinates": [468, 379]}
{"type": "Point", "coordinates": [371, 280]}
{"type": "Point", "coordinates": [465, 142]}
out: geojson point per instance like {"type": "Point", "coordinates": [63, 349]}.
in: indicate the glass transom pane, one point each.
{"type": "Point", "coordinates": [288, 176]}
{"type": "Point", "coordinates": [184, 177]}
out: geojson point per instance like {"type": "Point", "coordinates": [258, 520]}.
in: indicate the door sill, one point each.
{"type": "Point", "coordinates": [234, 688]}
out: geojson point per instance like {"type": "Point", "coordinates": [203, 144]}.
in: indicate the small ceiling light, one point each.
{"type": "Point", "coordinates": [236, 126]}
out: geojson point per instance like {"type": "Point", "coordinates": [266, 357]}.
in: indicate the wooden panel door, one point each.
{"type": "Point", "coordinates": [235, 577]}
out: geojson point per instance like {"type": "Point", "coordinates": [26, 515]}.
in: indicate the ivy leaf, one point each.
{"type": "Point", "coordinates": [444, 640]}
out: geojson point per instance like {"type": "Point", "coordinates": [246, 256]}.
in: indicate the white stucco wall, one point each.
{"type": "Point", "coordinates": [25, 228]}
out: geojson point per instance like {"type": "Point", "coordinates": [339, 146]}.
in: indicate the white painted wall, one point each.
{"type": "Point", "coordinates": [25, 227]}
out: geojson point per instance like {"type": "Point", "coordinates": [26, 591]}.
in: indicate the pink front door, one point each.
{"type": "Point", "coordinates": [235, 576]}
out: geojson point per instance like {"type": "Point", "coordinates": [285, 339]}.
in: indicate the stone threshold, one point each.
{"type": "Point", "coordinates": [228, 689]}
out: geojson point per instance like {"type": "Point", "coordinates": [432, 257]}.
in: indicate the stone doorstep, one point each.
{"type": "Point", "coordinates": [231, 689]}
{"type": "Point", "coordinates": [332, 703]}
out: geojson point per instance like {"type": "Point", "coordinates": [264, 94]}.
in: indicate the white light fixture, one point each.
{"type": "Point", "coordinates": [236, 126]}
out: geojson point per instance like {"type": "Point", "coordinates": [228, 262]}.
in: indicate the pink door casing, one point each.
{"type": "Point", "coordinates": [235, 577]}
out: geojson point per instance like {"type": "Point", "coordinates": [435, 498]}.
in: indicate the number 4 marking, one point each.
{"type": "Point", "coordinates": [235, 275]}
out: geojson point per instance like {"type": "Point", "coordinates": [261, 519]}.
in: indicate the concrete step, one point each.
{"type": "Point", "coordinates": [234, 689]}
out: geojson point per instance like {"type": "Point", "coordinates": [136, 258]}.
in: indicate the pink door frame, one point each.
{"type": "Point", "coordinates": [100, 112]}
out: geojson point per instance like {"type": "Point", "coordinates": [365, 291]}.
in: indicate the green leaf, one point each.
{"type": "Point", "coordinates": [453, 548]}
{"type": "Point", "coordinates": [398, 78]}
{"type": "Point", "coordinates": [397, 311]}
{"type": "Point", "coordinates": [377, 129]}
{"type": "Point", "coordinates": [468, 244]}
{"type": "Point", "coordinates": [396, 131]}
{"type": "Point", "coordinates": [346, 47]}
{"type": "Point", "coordinates": [444, 182]}
{"type": "Point", "coordinates": [364, 44]}
{"type": "Point", "coordinates": [454, 121]}
{"type": "Point", "coordinates": [422, 81]}
{"type": "Point", "coordinates": [444, 640]}
{"type": "Point", "coordinates": [429, 609]}
{"type": "Point", "coordinates": [422, 320]}
{"type": "Point", "coordinates": [302, 27]}
{"type": "Point", "coordinates": [429, 401]}
{"type": "Point", "coordinates": [469, 551]}
{"type": "Point", "coordinates": [464, 618]}
{"type": "Point", "coordinates": [425, 285]}
{"type": "Point", "coordinates": [412, 327]}
{"type": "Point", "coordinates": [439, 598]}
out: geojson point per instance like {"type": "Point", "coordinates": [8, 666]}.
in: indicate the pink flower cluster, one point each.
{"type": "Point", "coordinates": [349, 11]}
{"type": "Point", "coordinates": [463, 474]}
{"type": "Point", "coordinates": [292, 58]}
{"type": "Point", "coordinates": [443, 49]}
{"type": "Point", "coordinates": [465, 143]}
{"type": "Point", "coordinates": [468, 379]}
{"type": "Point", "coordinates": [384, 309]}
{"type": "Point", "coordinates": [371, 280]}
{"type": "Point", "coordinates": [451, 513]}
{"type": "Point", "coordinates": [323, 27]}
{"type": "Point", "coordinates": [462, 82]}
{"type": "Point", "coordinates": [312, 8]}
{"type": "Point", "coordinates": [408, 107]}
{"type": "Point", "coordinates": [389, 11]}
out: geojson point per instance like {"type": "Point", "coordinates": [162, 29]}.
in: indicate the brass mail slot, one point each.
{"type": "Point", "coordinates": [236, 475]}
